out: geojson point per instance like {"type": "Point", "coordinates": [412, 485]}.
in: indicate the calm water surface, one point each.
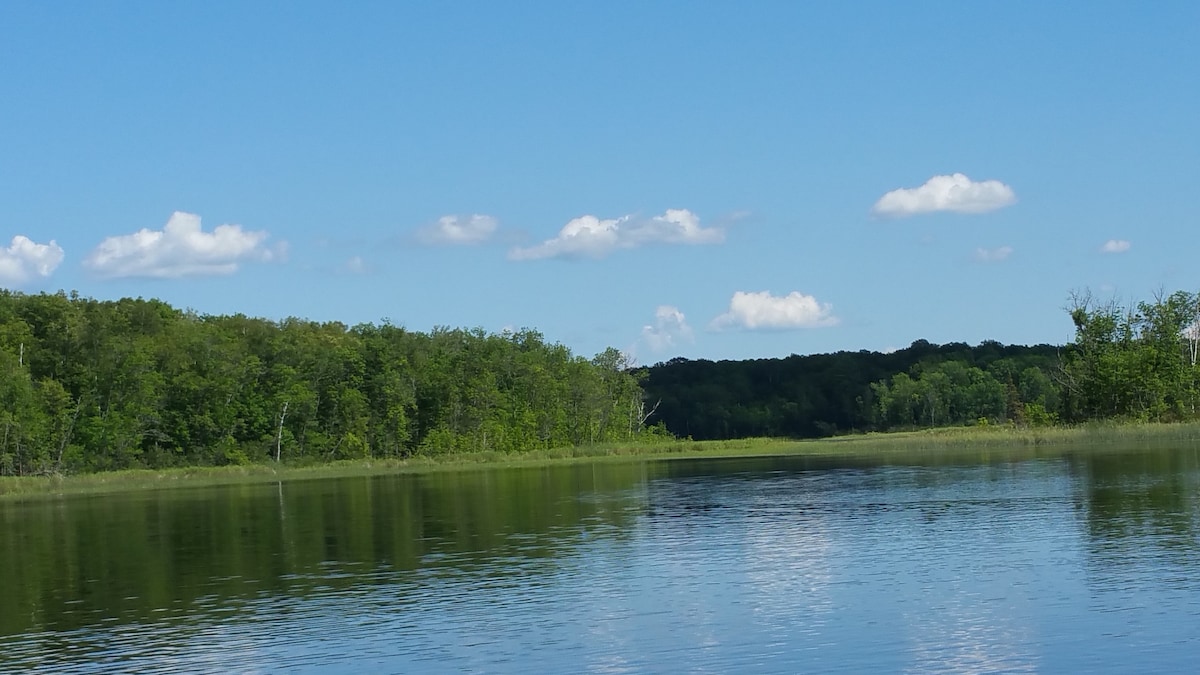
{"type": "Point", "coordinates": [1089, 562]}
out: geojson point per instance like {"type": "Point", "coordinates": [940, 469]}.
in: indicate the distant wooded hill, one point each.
{"type": "Point", "coordinates": [1136, 362]}
{"type": "Point", "coordinates": [826, 394]}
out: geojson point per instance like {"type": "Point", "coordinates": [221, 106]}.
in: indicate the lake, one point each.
{"type": "Point", "coordinates": [934, 562]}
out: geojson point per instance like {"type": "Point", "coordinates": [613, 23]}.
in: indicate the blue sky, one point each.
{"type": "Point", "coordinates": [709, 180]}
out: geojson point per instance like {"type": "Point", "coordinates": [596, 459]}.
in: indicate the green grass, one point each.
{"type": "Point", "coordinates": [965, 439]}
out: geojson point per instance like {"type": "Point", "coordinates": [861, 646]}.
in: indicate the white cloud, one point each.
{"type": "Point", "coordinates": [25, 259]}
{"type": "Point", "coordinates": [1115, 246]}
{"type": "Point", "coordinates": [993, 254]}
{"type": "Point", "coordinates": [459, 230]}
{"type": "Point", "coordinates": [356, 265]}
{"type": "Point", "coordinates": [670, 327]}
{"type": "Point", "coordinates": [955, 193]}
{"type": "Point", "coordinates": [590, 237]}
{"type": "Point", "coordinates": [755, 311]}
{"type": "Point", "coordinates": [180, 249]}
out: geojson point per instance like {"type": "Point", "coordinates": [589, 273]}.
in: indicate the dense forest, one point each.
{"type": "Point", "coordinates": [1135, 362]}
{"type": "Point", "coordinates": [826, 394]}
{"type": "Point", "coordinates": [90, 385]}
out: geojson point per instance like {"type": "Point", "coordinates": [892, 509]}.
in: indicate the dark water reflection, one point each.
{"type": "Point", "coordinates": [925, 563]}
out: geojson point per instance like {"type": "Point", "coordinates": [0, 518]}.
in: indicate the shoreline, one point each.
{"type": "Point", "coordinates": [870, 445]}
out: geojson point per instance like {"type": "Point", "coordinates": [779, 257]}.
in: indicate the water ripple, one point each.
{"type": "Point", "coordinates": [900, 569]}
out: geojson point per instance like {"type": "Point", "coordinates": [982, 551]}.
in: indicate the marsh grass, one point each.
{"type": "Point", "coordinates": [963, 440]}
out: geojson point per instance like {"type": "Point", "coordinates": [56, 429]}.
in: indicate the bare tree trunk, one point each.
{"type": "Point", "coordinates": [279, 433]}
{"type": "Point", "coordinates": [639, 414]}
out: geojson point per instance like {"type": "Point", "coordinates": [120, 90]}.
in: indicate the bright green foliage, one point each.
{"type": "Point", "coordinates": [942, 394]}
{"type": "Point", "coordinates": [88, 385]}
{"type": "Point", "coordinates": [1136, 362]}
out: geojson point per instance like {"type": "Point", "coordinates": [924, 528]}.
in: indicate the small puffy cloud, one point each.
{"type": "Point", "coordinates": [180, 249]}
{"type": "Point", "coordinates": [591, 237]}
{"type": "Point", "coordinates": [459, 230]}
{"type": "Point", "coordinates": [670, 327]}
{"type": "Point", "coordinates": [955, 193]}
{"type": "Point", "coordinates": [993, 254]}
{"type": "Point", "coordinates": [1115, 246]}
{"type": "Point", "coordinates": [763, 311]}
{"type": "Point", "coordinates": [356, 265]}
{"type": "Point", "coordinates": [25, 259]}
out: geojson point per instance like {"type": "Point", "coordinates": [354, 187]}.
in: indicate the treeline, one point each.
{"type": "Point", "coordinates": [1136, 362]}
{"type": "Point", "coordinates": [826, 394]}
{"type": "Point", "coordinates": [90, 385]}
{"type": "Point", "coordinates": [93, 385]}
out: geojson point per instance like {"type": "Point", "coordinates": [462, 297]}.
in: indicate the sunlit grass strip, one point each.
{"type": "Point", "coordinates": [1097, 433]}
{"type": "Point", "coordinates": [139, 479]}
{"type": "Point", "coordinates": [964, 439]}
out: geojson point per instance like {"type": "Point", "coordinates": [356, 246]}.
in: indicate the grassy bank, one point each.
{"type": "Point", "coordinates": [966, 439]}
